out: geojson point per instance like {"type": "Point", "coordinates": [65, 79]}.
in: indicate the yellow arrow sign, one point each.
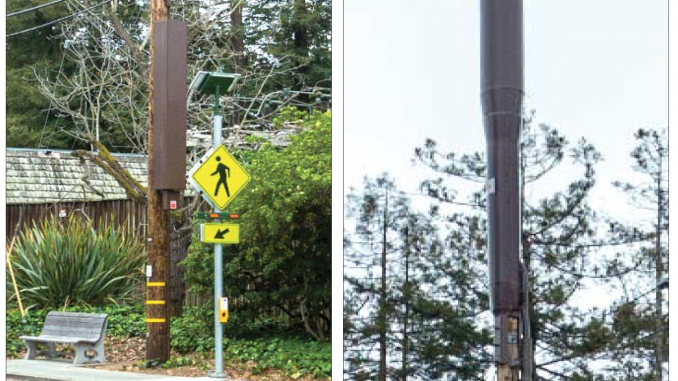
{"type": "Point", "coordinates": [218, 177]}
{"type": "Point", "coordinates": [220, 233]}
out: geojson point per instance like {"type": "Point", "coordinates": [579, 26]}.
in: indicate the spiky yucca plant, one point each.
{"type": "Point", "coordinates": [71, 263]}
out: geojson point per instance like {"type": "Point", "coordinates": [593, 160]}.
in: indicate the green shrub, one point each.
{"type": "Point", "coordinates": [194, 331]}
{"type": "Point", "coordinates": [294, 356]}
{"type": "Point", "coordinates": [58, 264]}
{"type": "Point", "coordinates": [17, 326]}
{"type": "Point", "coordinates": [258, 340]}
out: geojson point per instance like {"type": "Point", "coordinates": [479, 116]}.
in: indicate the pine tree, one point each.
{"type": "Point", "coordinates": [642, 312]}
{"type": "Point", "coordinates": [561, 244]}
{"type": "Point", "coordinates": [400, 323]}
{"type": "Point", "coordinates": [377, 212]}
{"type": "Point", "coordinates": [29, 120]}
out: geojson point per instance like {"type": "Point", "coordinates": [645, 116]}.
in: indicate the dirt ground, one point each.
{"type": "Point", "coordinates": [128, 354]}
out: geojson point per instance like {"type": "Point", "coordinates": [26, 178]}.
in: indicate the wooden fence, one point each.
{"type": "Point", "coordinates": [21, 216]}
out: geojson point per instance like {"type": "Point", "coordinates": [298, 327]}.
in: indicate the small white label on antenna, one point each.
{"type": "Point", "coordinates": [489, 186]}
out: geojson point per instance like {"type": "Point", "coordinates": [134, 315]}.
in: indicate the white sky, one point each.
{"type": "Point", "coordinates": [597, 69]}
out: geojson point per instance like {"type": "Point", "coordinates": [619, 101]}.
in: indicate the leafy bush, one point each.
{"type": "Point", "coordinates": [58, 264]}
{"type": "Point", "coordinates": [123, 320]}
{"type": "Point", "coordinates": [295, 357]}
{"type": "Point", "coordinates": [252, 340]}
{"type": "Point", "coordinates": [284, 258]}
{"type": "Point", "coordinates": [17, 326]}
{"type": "Point", "coordinates": [194, 331]}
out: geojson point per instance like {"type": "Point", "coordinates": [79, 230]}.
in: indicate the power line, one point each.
{"type": "Point", "coordinates": [58, 20]}
{"type": "Point", "coordinates": [34, 8]}
{"type": "Point", "coordinates": [61, 65]}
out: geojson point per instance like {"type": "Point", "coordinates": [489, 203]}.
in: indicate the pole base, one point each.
{"type": "Point", "coordinates": [216, 375]}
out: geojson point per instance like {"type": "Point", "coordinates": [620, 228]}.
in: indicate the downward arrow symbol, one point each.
{"type": "Point", "coordinates": [220, 233]}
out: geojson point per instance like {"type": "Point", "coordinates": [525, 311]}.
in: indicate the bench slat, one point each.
{"type": "Point", "coordinates": [62, 320]}
{"type": "Point", "coordinates": [73, 325]}
{"type": "Point", "coordinates": [55, 339]}
{"type": "Point", "coordinates": [77, 314]}
{"type": "Point", "coordinates": [72, 333]}
{"type": "Point", "coordinates": [77, 330]}
{"type": "Point", "coordinates": [85, 323]}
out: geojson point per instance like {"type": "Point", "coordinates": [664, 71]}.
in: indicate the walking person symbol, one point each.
{"type": "Point", "coordinates": [222, 170]}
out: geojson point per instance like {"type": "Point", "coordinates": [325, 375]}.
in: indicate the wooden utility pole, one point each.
{"type": "Point", "coordinates": [157, 295]}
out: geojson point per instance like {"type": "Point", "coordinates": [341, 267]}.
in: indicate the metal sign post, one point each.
{"type": "Point", "coordinates": [218, 262]}
{"type": "Point", "coordinates": [218, 177]}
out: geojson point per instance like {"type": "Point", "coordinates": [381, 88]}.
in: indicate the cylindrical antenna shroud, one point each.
{"type": "Point", "coordinates": [502, 97]}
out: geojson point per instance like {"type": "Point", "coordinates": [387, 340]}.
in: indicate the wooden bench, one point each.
{"type": "Point", "coordinates": [86, 332]}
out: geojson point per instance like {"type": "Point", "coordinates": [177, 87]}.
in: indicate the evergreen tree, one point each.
{"type": "Point", "coordinates": [561, 244]}
{"type": "Point", "coordinates": [29, 120]}
{"type": "Point", "coordinates": [641, 314]}
{"type": "Point", "coordinates": [377, 212]}
{"type": "Point", "coordinates": [399, 319]}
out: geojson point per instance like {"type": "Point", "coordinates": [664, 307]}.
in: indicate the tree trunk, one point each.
{"type": "Point", "coordinates": [301, 45]}
{"type": "Point", "coordinates": [382, 301]}
{"type": "Point", "coordinates": [237, 37]}
{"type": "Point", "coordinates": [527, 262]}
{"type": "Point", "coordinates": [237, 43]}
{"type": "Point", "coordinates": [406, 297]}
{"type": "Point", "coordinates": [526, 247]}
{"type": "Point", "coordinates": [659, 274]}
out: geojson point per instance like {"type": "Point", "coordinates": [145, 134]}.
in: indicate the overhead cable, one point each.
{"type": "Point", "coordinates": [34, 8]}
{"type": "Point", "coordinates": [58, 20]}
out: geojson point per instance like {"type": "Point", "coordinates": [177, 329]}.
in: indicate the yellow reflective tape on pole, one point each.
{"type": "Point", "coordinates": [155, 284]}
{"type": "Point", "coordinates": [155, 302]}
{"type": "Point", "coordinates": [155, 320]}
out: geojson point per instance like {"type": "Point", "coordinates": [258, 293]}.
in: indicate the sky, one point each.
{"type": "Point", "coordinates": [597, 69]}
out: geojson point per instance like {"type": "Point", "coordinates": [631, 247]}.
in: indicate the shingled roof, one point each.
{"type": "Point", "coordinates": [38, 176]}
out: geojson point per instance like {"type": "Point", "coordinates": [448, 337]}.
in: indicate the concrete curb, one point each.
{"type": "Point", "coordinates": [51, 370]}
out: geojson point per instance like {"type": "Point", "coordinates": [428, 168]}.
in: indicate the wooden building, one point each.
{"type": "Point", "coordinates": [43, 183]}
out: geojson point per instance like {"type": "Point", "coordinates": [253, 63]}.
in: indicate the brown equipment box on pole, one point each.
{"type": "Point", "coordinates": [169, 97]}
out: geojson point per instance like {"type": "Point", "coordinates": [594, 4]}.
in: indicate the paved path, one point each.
{"type": "Point", "coordinates": [56, 370]}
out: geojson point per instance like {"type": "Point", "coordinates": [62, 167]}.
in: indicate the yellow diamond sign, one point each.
{"type": "Point", "coordinates": [218, 177]}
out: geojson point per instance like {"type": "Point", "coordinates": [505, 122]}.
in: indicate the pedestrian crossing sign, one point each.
{"type": "Point", "coordinates": [218, 177]}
